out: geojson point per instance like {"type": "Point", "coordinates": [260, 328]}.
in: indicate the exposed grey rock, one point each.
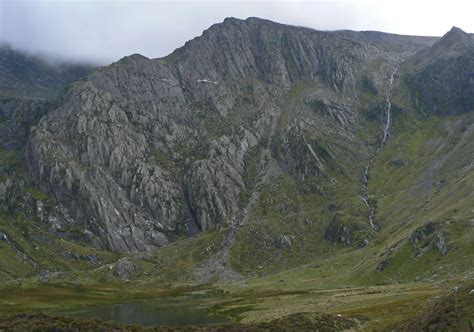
{"type": "Point", "coordinates": [383, 265]}
{"type": "Point", "coordinates": [144, 150]}
{"type": "Point", "coordinates": [3, 189]}
{"type": "Point", "coordinates": [440, 244]}
{"type": "Point", "coordinates": [390, 42]}
{"type": "Point", "coordinates": [17, 115]}
{"type": "Point", "coordinates": [124, 269]}
{"type": "Point", "coordinates": [28, 87]}
{"type": "Point", "coordinates": [284, 241]}
{"type": "Point", "coordinates": [40, 211]}
{"type": "Point", "coordinates": [423, 232]}
{"type": "Point", "coordinates": [429, 236]}
{"type": "Point", "coordinates": [13, 197]}
{"type": "Point", "coordinates": [339, 233]}
{"type": "Point", "coordinates": [442, 75]}
{"type": "Point", "coordinates": [92, 259]}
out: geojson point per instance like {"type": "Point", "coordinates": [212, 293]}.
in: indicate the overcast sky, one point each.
{"type": "Point", "coordinates": [104, 31]}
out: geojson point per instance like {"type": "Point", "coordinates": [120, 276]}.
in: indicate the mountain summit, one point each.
{"type": "Point", "coordinates": [343, 158]}
{"type": "Point", "coordinates": [158, 148]}
{"type": "Point", "coordinates": [455, 35]}
{"type": "Point", "coordinates": [443, 74]}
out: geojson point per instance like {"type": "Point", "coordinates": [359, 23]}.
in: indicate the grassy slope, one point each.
{"type": "Point", "coordinates": [47, 254]}
{"type": "Point", "coordinates": [424, 174]}
{"type": "Point", "coordinates": [302, 209]}
{"type": "Point", "coordinates": [33, 250]}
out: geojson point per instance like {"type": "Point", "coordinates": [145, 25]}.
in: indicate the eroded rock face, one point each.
{"type": "Point", "coordinates": [125, 270]}
{"type": "Point", "coordinates": [144, 150]}
{"type": "Point", "coordinates": [339, 233]}
{"type": "Point", "coordinates": [17, 115]}
{"type": "Point", "coordinates": [429, 236]}
{"type": "Point", "coordinates": [214, 183]}
{"type": "Point", "coordinates": [443, 75]}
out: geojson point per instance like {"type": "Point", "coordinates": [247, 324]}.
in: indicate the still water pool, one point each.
{"type": "Point", "coordinates": [149, 313]}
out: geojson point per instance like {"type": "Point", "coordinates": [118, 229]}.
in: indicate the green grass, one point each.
{"type": "Point", "coordinates": [37, 194]}
{"type": "Point", "coordinates": [281, 210]}
{"type": "Point", "coordinates": [265, 306]}
{"type": "Point", "coordinates": [175, 263]}
{"type": "Point", "coordinates": [165, 161]}
{"type": "Point", "coordinates": [12, 161]}
{"type": "Point", "coordinates": [47, 251]}
{"type": "Point", "coordinates": [423, 175]}
{"type": "Point", "coordinates": [299, 207]}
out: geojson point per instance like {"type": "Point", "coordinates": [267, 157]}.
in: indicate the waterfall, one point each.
{"type": "Point", "coordinates": [365, 196]}
{"type": "Point", "coordinates": [388, 121]}
{"type": "Point", "coordinates": [385, 134]}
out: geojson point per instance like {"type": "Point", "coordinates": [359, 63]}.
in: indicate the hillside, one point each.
{"type": "Point", "coordinates": [267, 160]}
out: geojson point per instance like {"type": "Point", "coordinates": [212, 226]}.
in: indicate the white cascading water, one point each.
{"type": "Point", "coordinates": [389, 109]}
{"type": "Point", "coordinates": [385, 134]}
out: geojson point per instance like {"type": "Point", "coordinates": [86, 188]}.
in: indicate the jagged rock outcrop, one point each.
{"type": "Point", "coordinates": [17, 116]}
{"type": "Point", "coordinates": [339, 233]}
{"type": "Point", "coordinates": [125, 269]}
{"type": "Point", "coordinates": [147, 149]}
{"type": "Point", "coordinates": [428, 237]}
{"type": "Point", "coordinates": [442, 76]}
{"type": "Point", "coordinates": [283, 241]}
{"type": "Point", "coordinates": [29, 88]}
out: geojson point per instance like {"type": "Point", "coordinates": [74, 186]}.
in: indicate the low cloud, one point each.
{"type": "Point", "coordinates": [104, 31]}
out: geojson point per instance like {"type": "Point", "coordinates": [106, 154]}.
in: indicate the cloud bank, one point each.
{"type": "Point", "coordinates": [104, 31]}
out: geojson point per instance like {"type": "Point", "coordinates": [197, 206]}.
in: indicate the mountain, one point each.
{"type": "Point", "coordinates": [280, 158]}
{"type": "Point", "coordinates": [389, 42]}
{"type": "Point", "coordinates": [443, 76]}
{"type": "Point", "coordinates": [32, 76]}
{"type": "Point", "coordinates": [29, 89]}
{"type": "Point", "coordinates": [158, 148]}
{"type": "Point", "coordinates": [28, 85]}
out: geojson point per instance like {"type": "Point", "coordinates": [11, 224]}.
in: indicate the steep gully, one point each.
{"type": "Point", "coordinates": [385, 135]}
{"type": "Point", "coordinates": [217, 265]}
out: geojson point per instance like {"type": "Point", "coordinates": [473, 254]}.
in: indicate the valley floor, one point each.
{"type": "Point", "coordinates": [295, 299]}
{"type": "Point", "coordinates": [353, 210]}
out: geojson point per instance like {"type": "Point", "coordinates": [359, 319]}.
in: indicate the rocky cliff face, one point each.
{"type": "Point", "coordinates": [443, 75]}
{"type": "Point", "coordinates": [28, 87]}
{"type": "Point", "coordinates": [18, 115]}
{"type": "Point", "coordinates": [145, 150]}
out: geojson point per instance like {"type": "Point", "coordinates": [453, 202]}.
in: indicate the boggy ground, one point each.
{"type": "Point", "coordinates": [42, 322]}
{"type": "Point", "coordinates": [260, 304]}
